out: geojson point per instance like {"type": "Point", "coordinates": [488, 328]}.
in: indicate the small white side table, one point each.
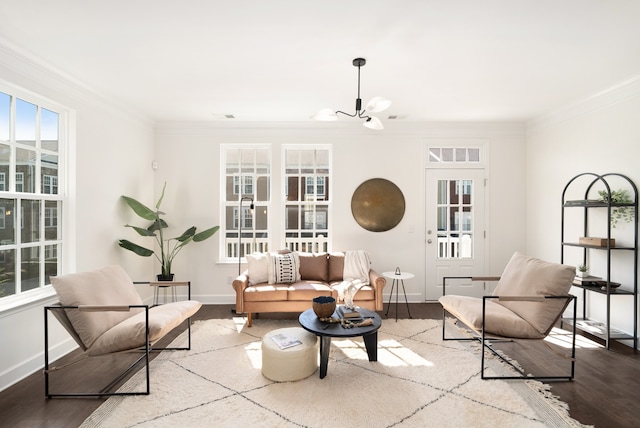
{"type": "Point", "coordinates": [398, 278]}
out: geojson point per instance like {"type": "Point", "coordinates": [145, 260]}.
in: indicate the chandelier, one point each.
{"type": "Point", "coordinates": [377, 104]}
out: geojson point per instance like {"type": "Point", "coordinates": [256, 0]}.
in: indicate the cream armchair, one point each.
{"type": "Point", "coordinates": [528, 301]}
{"type": "Point", "coordinates": [104, 314]}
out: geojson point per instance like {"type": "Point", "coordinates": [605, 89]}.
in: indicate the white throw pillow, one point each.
{"type": "Point", "coordinates": [258, 268]}
{"type": "Point", "coordinates": [283, 268]}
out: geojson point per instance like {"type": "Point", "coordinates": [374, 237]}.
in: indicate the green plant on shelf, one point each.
{"type": "Point", "coordinates": [625, 214]}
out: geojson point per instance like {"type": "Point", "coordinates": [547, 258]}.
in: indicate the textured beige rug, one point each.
{"type": "Point", "coordinates": [418, 381]}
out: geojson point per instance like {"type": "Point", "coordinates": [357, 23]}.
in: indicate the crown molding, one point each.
{"type": "Point", "coordinates": [20, 68]}
{"type": "Point", "coordinates": [609, 97]}
{"type": "Point", "coordinates": [245, 129]}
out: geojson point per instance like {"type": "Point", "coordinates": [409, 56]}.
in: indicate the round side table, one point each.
{"type": "Point", "coordinates": [397, 278]}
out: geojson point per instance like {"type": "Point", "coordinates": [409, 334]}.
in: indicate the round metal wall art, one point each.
{"type": "Point", "coordinates": [377, 205]}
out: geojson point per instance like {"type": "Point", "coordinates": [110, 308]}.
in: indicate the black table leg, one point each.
{"type": "Point", "coordinates": [371, 343]}
{"type": "Point", "coordinates": [405, 301]}
{"type": "Point", "coordinates": [393, 284]}
{"type": "Point", "coordinates": [325, 345]}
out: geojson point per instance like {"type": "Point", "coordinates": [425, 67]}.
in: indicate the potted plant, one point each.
{"type": "Point", "coordinates": [168, 248]}
{"type": "Point", "coordinates": [624, 213]}
{"type": "Point", "coordinates": [583, 271]}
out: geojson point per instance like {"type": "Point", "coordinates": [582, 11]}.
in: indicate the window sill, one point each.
{"type": "Point", "coordinates": [28, 300]}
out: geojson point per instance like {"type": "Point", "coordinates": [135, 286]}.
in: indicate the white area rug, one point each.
{"type": "Point", "coordinates": [418, 381]}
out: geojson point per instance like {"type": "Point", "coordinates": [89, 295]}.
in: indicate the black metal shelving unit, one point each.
{"type": "Point", "coordinates": [602, 182]}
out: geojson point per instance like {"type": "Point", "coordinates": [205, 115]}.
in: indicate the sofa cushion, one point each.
{"type": "Point", "coordinates": [130, 333]}
{"type": "Point", "coordinates": [498, 320]}
{"type": "Point", "coordinates": [266, 293]}
{"type": "Point", "coordinates": [336, 266]}
{"type": "Point", "coordinates": [307, 290]}
{"type": "Point", "coordinates": [314, 267]}
{"type": "Point", "coordinates": [528, 276]}
{"type": "Point", "coordinates": [258, 268]}
{"type": "Point", "coordinates": [283, 268]}
{"type": "Point", "coordinates": [107, 286]}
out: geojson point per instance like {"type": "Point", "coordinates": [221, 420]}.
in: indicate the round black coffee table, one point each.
{"type": "Point", "coordinates": [310, 322]}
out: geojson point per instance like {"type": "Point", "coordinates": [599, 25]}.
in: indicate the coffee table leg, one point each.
{"type": "Point", "coordinates": [371, 343]}
{"type": "Point", "coordinates": [325, 345]}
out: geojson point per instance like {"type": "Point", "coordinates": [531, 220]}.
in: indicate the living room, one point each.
{"type": "Point", "coordinates": [117, 149]}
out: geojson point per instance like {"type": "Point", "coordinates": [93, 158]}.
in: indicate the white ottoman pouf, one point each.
{"type": "Point", "coordinates": [289, 364]}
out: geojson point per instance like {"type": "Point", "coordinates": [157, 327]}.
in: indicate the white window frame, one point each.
{"type": "Point", "coordinates": [15, 191]}
{"type": "Point", "coordinates": [318, 242]}
{"type": "Point", "coordinates": [248, 182]}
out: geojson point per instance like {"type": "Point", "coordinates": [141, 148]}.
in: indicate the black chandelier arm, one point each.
{"type": "Point", "coordinates": [359, 114]}
{"type": "Point", "coordinates": [347, 114]}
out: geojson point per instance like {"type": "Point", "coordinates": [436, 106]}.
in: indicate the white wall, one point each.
{"type": "Point", "coordinates": [113, 150]}
{"type": "Point", "coordinates": [188, 159]}
{"type": "Point", "coordinates": [599, 134]}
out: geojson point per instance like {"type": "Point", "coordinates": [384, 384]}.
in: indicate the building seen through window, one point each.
{"type": "Point", "coordinates": [30, 200]}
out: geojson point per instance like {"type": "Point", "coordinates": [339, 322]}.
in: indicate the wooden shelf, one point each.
{"type": "Point", "coordinates": [613, 291]}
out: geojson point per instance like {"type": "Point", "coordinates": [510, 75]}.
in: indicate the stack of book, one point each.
{"type": "Point", "coordinates": [587, 280]}
{"type": "Point", "coordinates": [349, 314]}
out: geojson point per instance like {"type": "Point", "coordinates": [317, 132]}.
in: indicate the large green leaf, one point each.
{"type": "Point", "coordinates": [141, 209]}
{"type": "Point", "coordinates": [205, 234]}
{"type": "Point", "coordinates": [141, 251]}
{"type": "Point", "coordinates": [161, 196]}
{"type": "Point", "coordinates": [186, 234]}
{"type": "Point", "coordinates": [141, 231]}
{"type": "Point", "coordinates": [156, 225]}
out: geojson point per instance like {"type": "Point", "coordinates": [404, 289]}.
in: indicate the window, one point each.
{"type": "Point", "coordinates": [50, 184]}
{"type": "Point", "coordinates": [307, 174]}
{"type": "Point", "coordinates": [31, 135]}
{"type": "Point", "coordinates": [246, 180]}
{"type": "Point", "coordinates": [454, 155]}
{"type": "Point", "coordinates": [455, 219]}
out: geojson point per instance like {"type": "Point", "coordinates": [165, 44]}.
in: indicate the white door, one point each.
{"type": "Point", "coordinates": [455, 241]}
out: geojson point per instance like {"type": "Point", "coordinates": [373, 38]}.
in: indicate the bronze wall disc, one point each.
{"type": "Point", "coordinates": [377, 205]}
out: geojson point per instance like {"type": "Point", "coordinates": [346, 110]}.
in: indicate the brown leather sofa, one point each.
{"type": "Point", "coordinates": [319, 275]}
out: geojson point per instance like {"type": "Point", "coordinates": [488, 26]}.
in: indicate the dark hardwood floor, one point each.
{"type": "Point", "coordinates": [603, 393]}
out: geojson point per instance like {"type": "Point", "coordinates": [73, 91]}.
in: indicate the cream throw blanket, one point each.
{"type": "Point", "coordinates": [355, 273]}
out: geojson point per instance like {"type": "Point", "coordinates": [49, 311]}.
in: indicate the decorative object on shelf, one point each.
{"type": "Point", "coordinates": [377, 205]}
{"type": "Point", "coordinates": [596, 242]}
{"type": "Point", "coordinates": [324, 306]}
{"type": "Point", "coordinates": [377, 104]}
{"type": "Point", "coordinates": [619, 196]}
{"type": "Point", "coordinates": [240, 212]}
{"type": "Point", "coordinates": [169, 248]}
{"type": "Point", "coordinates": [583, 271]}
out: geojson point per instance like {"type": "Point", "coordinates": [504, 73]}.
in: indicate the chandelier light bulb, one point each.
{"type": "Point", "coordinates": [373, 123]}
{"type": "Point", "coordinates": [325, 114]}
{"type": "Point", "coordinates": [378, 104]}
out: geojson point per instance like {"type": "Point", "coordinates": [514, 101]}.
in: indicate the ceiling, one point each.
{"type": "Point", "coordinates": [282, 60]}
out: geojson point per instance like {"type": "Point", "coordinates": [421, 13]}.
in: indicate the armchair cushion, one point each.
{"type": "Point", "coordinates": [528, 276]}
{"type": "Point", "coordinates": [130, 333]}
{"type": "Point", "coordinates": [107, 286]}
{"type": "Point", "coordinates": [498, 319]}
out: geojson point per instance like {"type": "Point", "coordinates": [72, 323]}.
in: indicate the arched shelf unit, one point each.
{"type": "Point", "coordinates": [599, 207]}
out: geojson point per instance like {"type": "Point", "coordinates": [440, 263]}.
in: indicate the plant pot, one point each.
{"type": "Point", "coordinates": [165, 277]}
{"type": "Point", "coordinates": [582, 274]}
